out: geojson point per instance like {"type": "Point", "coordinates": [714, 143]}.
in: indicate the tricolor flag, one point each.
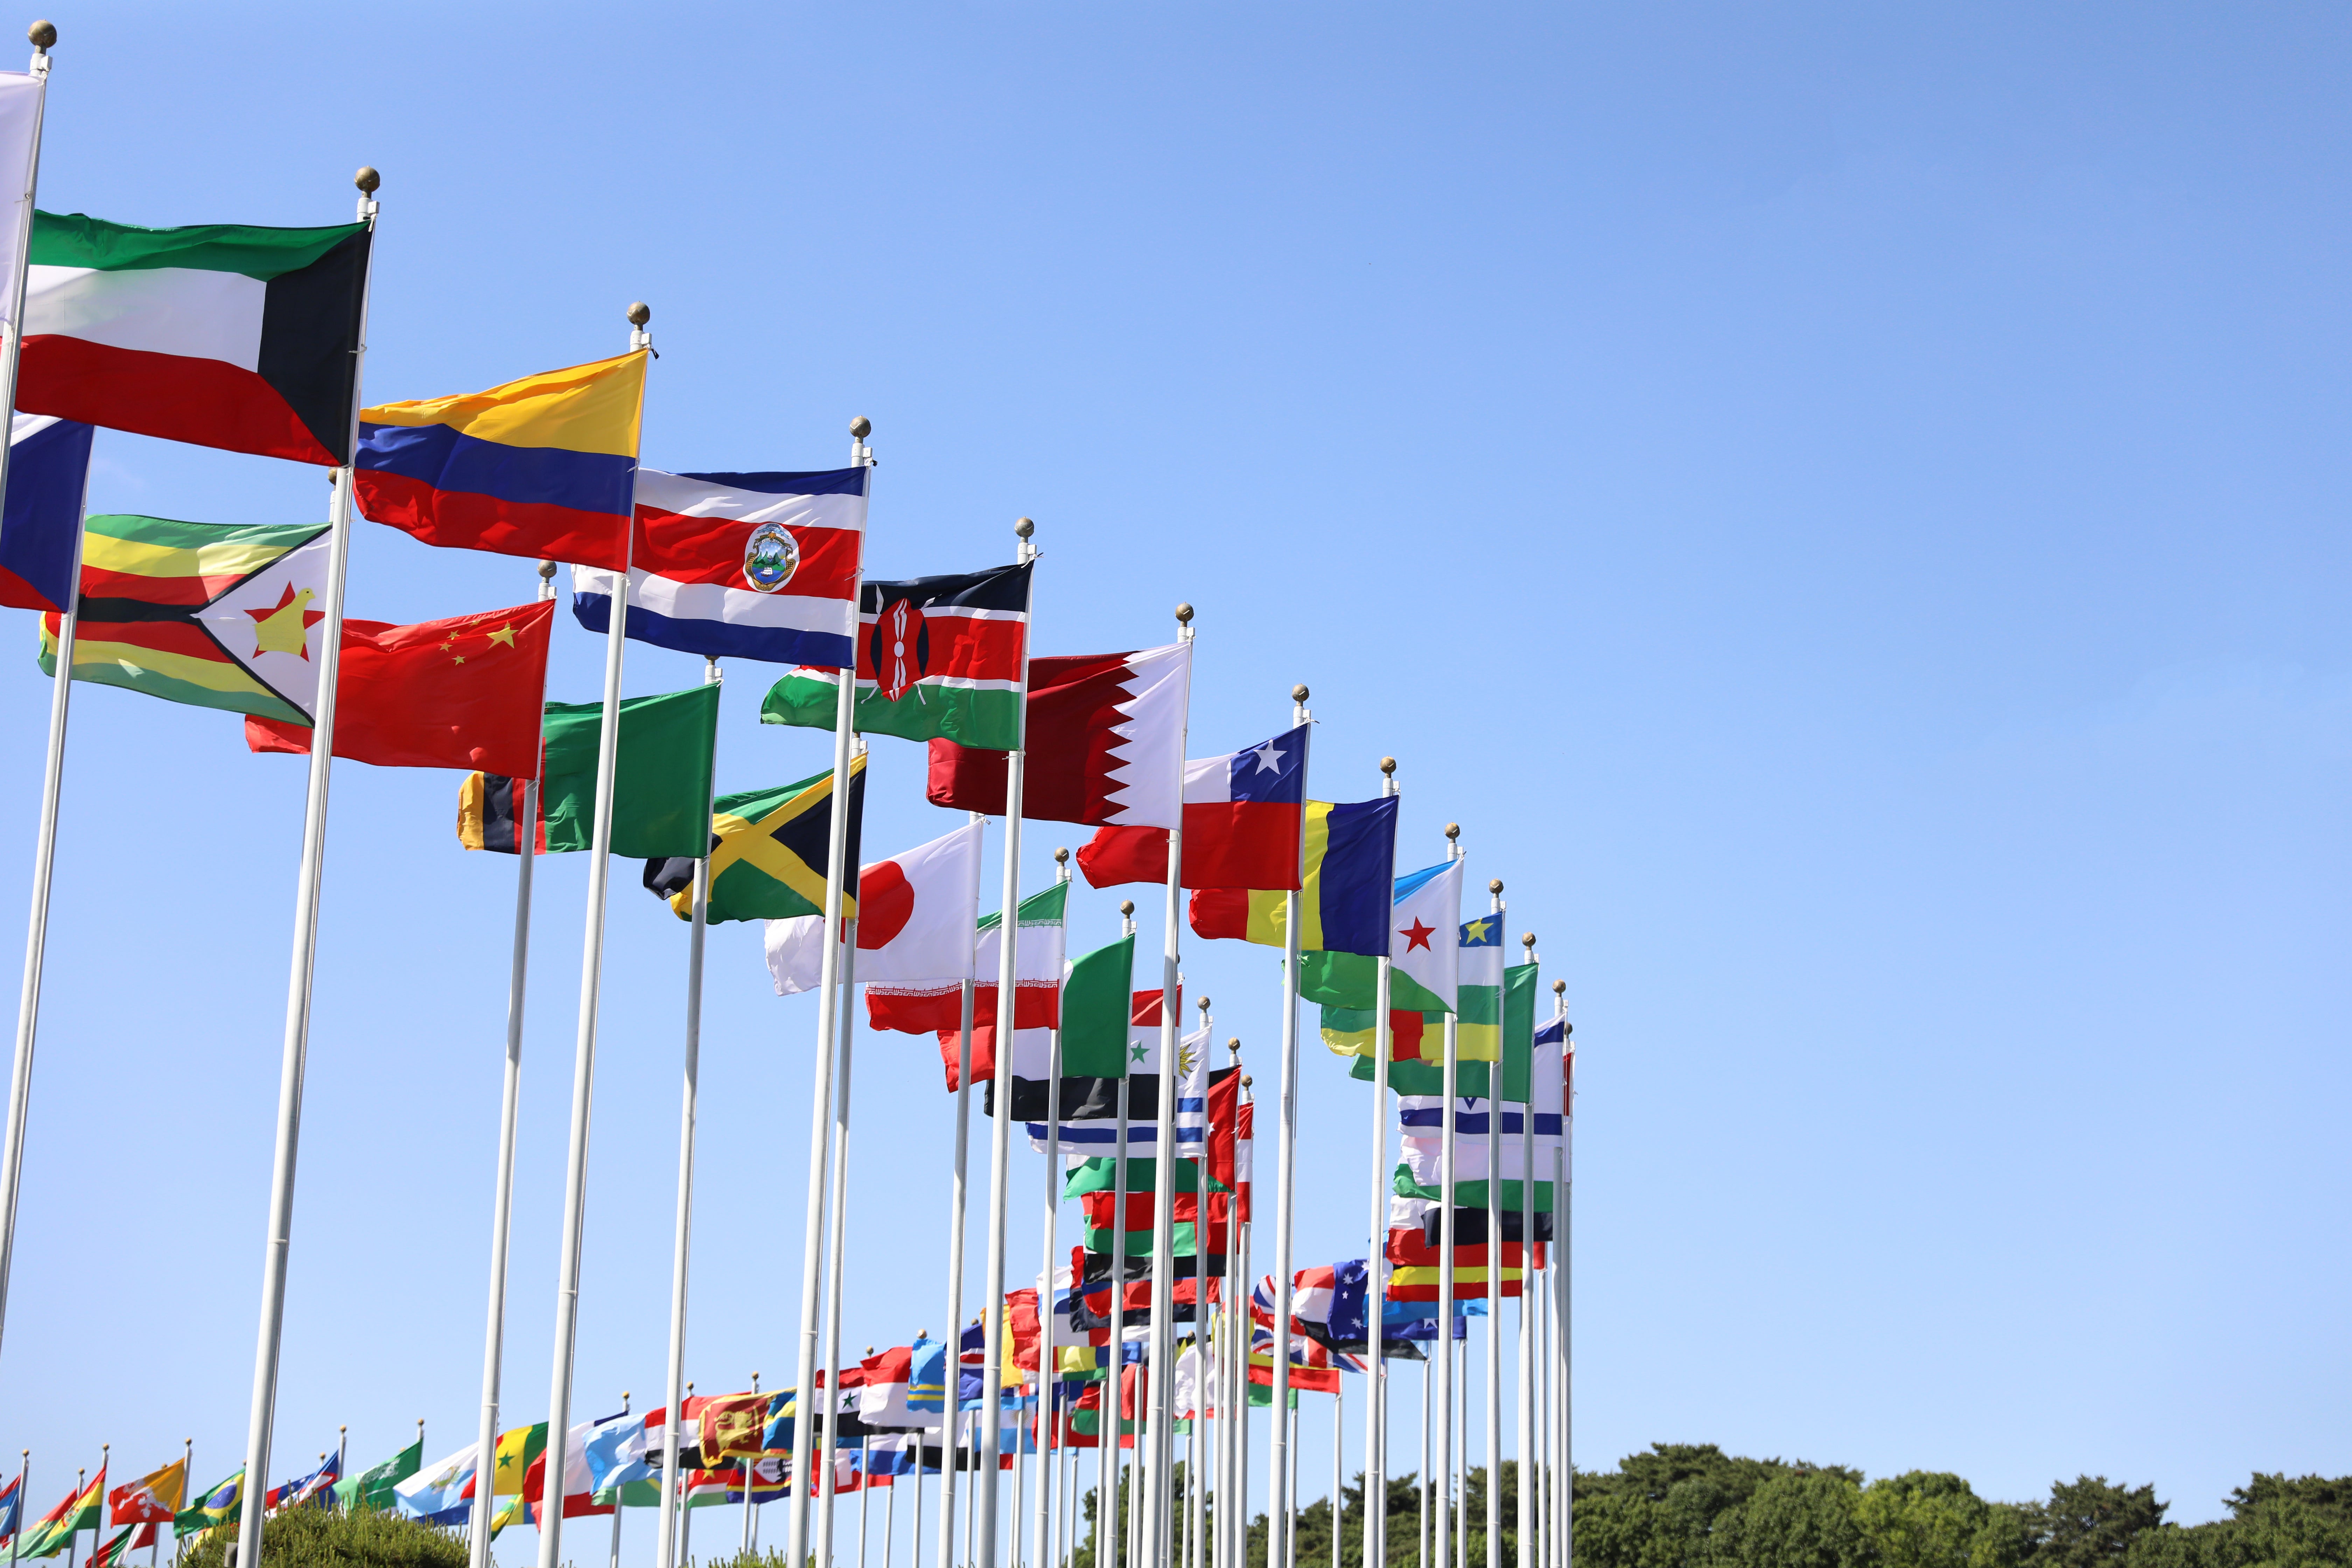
{"type": "Point", "coordinates": [545, 466]}
{"type": "Point", "coordinates": [56, 1527]}
{"type": "Point", "coordinates": [883, 1396]}
{"type": "Point", "coordinates": [740, 566]}
{"type": "Point", "coordinates": [217, 335]}
{"type": "Point", "coordinates": [48, 476]}
{"type": "Point", "coordinates": [1105, 741]}
{"type": "Point", "coordinates": [938, 658]}
{"type": "Point", "coordinates": [914, 918]}
{"type": "Point", "coordinates": [1244, 814]}
{"type": "Point", "coordinates": [1349, 856]}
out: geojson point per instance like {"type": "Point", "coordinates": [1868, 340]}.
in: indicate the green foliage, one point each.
{"type": "Point", "coordinates": [2089, 1522]}
{"type": "Point", "coordinates": [1811, 1519]}
{"type": "Point", "coordinates": [314, 1538]}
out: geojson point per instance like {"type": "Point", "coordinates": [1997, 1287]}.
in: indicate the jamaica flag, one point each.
{"type": "Point", "coordinates": [768, 853]}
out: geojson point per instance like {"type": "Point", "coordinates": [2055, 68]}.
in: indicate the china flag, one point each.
{"type": "Point", "coordinates": [460, 693]}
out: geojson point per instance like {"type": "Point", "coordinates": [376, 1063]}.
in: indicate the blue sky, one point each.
{"type": "Point", "coordinates": [1835, 502]}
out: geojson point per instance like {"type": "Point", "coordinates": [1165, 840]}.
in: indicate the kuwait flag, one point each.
{"type": "Point", "coordinates": [217, 334]}
{"type": "Point", "coordinates": [1105, 739]}
{"type": "Point", "coordinates": [1244, 814]}
{"type": "Point", "coordinates": [914, 920]}
{"type": "Point", "coordinates": [938, 658]}
{"type": "Point", "coordinates": [740, 566]}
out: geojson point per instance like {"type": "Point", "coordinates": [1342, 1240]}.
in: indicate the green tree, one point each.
{"type": "Point", "coordinates": [1795, 1521]}
{"type": "Point", "coordinates": [2089, 1522]}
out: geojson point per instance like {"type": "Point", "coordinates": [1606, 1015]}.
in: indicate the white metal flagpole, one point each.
{"type": "Point", "coordinates": [1563, 1166]}
{"type": "Point", "coordinates": [295, 1055]}
{"type": "Point", "coordinates": [1157, 1497]}
{"type": "Point", "coordinates": [583, 1059]}
{"type": "Point", "coordinates": [1376, 1398]}
{"type": "Point", "coordinates": [682, 1227]}
{"type": "Point", "coordinates": [1115, 1387]}
{"type": "Point", "coordinates": [1000, 1133]}
{"type": "Point", "coordinates": [1280, 1504]}
{"type": "Point", "coordinates": [1494, 1396]}
{"type": "Point", "coordinates": [1530, 1296]}
{"type": "Point", "coordinates": [1442, 1464]}
{"type": "Point", "coordinates": [836, 1202]}
{"type": "Point", "coordinates": [1048, 1373]}
{"type": "Point", "coordinates": [821, 1088]}
{"type": "Point", "coordinates": [956, 1206]}
{"type": "Point", "coordinates": [44, 844]}
{"type": "Point", "coordinates": [510, 1103]}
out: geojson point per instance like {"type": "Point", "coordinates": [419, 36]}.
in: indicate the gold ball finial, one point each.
{"type": "Point", "coordinates": [1298, 692]}
{"type": "Point", "coordinates": [1204, 1005]}
{"type": "Point", "coordinates": [1183, 614]}
{"type": "Point", "coordinates": [368, 180]}
{"type": "Point", "coordinates": [1061, 854]}
{"type": "Point", "coordinates": [1233, 1044]}
{"type": "Point", "coordinates": [1495, 885]}
{"type": "Point", "coordinates": [640, 312]}
{"type": "Point", "coordinates": [42, 35]}
{"type": "Point", "coordinates": [861, 427]}
{"type": "Point", "coordinates": [546, 571]}
{"type": "Point", "coordinates": [624, 1396]}
{"type": "Point", "coordinates": [1127, 906]}
{"type": "Point", "coordinates": [1559, 987]}
{"type": "Point", "coordinates": [1022, 527]}
{"type": "Point", "coordinates": [1452, 830]}
{"type": "Point", "coordinates": [342, 1428]}
{"type": "Point", "coordinates": [1387, 766]}
{"type": "Point", "coordinates": [1529, 941]}
{"type": "Point", "coordinates": [1247, 1080]}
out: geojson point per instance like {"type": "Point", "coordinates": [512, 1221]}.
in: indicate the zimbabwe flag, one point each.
{"type": "Point", "coordinates": [215, 614]}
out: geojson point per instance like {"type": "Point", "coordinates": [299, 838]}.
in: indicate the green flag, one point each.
{"type": "Point", "coordinates": [661, 780]}
{"type": "Point", "coordinates": [768, 851]}
{"type": "Point", "coordinates": [1096, 1001]}
{"type": "Point", "coordinates": [1519, 1030]}
{"type": "Point", "coordinates": [371, 1489]}
{"type": "Point", "coordinates": [217, 1506]}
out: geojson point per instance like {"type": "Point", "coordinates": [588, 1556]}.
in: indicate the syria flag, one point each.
{"type": "Point", "coordinates": [1244, 816]}
{"type": "Point", "coordinates": [1105, 741]}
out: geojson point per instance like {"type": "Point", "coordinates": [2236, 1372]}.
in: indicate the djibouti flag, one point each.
{"type": "Point", "coordinates": [217, 335]}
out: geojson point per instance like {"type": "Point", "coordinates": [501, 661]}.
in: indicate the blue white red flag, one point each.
{"type": "Point", "coordinates": [740, 566]}
{"type": "Point", "coordinates": [49, 469]}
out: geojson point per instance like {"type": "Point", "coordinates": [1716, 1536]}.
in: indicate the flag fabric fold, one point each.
{"type": "Point", "coordinates": [768, 851]}
{"type": "Point", "coordinates": [48, 476]}
{"type": "Point", "coordinates": [1104, 738]}
{"type": "Point", "coordinates": [1245, 816]}
{"type": "Point", "coordinates": [914, 918]}
{"type": "Point", "coordinates": [1348, 856]}
{"type": "Point", "coordinates": [758, 566]}
{"type": "Point", "coordinates": [545, 466]}
{"type": "Point", "coordinates": [661, 781]}
{"type": "Point", "coordinates": [938, 659]}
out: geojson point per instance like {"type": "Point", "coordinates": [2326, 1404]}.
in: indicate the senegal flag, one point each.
{"type": "Point", "coordinates": [217, 335]}
{"type": "Point", "coordinates": [768, 853]}
{"type": "Point", "coordinates": [216, 615]}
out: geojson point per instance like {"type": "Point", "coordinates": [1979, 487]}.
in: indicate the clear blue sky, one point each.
{"type": "Point", "coordinates": [1845, 507]}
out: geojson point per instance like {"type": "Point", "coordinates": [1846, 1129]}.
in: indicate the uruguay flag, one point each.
{"type": "Point", "coordinates": [1244, 814]}
{"type": "Point", "coordinates": [48, 472]}
{"type": "Point", "coordinates": [740, 566]}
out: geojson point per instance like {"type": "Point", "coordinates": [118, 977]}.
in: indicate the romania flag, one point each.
{"type": "Point", "coordinates": [1343, 905]}
{"type": "Point", "coordinates": [546, 466]}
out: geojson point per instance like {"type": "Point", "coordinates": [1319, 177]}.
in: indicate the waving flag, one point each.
{"type": "Point", "coordinates": [217, 1506]}
{"type": "Point", "coordinates": [768, 849]}
{"type": "Point", "coordinates": [12, 1506]}
{"type": "Point", "coordinates": [155, 1498]}
{"type": "Point", "coordinates": [740, 566]}
{"type": "Point", "coordinates": [442, 1492]}
{"type": "Point", "coordinates": [313, 1488]}
{"type": "Point", "coordinates": [1105, 740]}
{"type": "Point", "coordinates": [56, 1529]}
{"type": "Point", "coordinates": [374, 1487]}
{"type": "Point", "coordinates": [1244, 814]}
{"type": "Point", "coordinates": [545, 466]}
{"type": "Point", "coordinates": [129, 1539]}
{"type": "Point", "coordinates": [926, 1006]}
{"type": "Point", "coordinates": [218, 334]}
{"type": "Point", "coordinates": [48, 475]}
{"type": "Point", "coordinates": [938, 658]}
{"type": "Point", "coordinates": [1349, 856]}
{"type": "Point", "coordinates": [216, 615]}
{"type": "Point", "coordinates": [914, 918]}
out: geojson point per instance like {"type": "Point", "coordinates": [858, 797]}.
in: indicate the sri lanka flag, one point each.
{"type": "Point", "coordinates": [1244, 814]}
{"type": "Point", "coordinates": [740, 566]}
{"type": "Point", "coordinates": [545, 466]}
{"type": "Point", "coordinates": [217, 335]}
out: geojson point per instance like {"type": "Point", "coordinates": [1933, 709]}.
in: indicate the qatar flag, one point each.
{"type": "Point", "coordinates": [914, 918]}
{"type": "Point", "coordinates": [1105, 736]}
{"type": "Point", "coordinates": [1244, 816]}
